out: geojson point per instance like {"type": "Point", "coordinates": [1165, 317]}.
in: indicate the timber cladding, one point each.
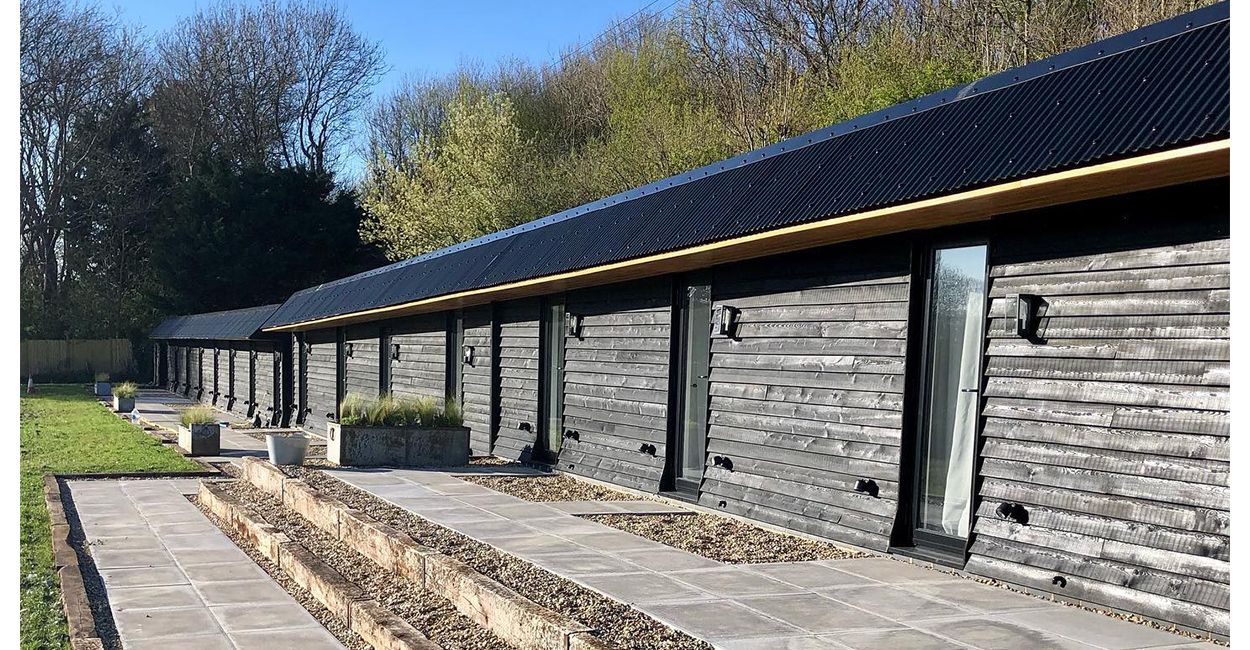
{"type": "Point", "coordinates": [616, 382]}
{"type": "Point", "coordinates": [419, 356]}
{"type": "Point", "coordinates": [320, 376]}
{"type": "Point", "coordinates": [806, 395]}
{"type": "Point", "coordinates": [268, 378]}
{"type": "Point", "coordinates": [516, 356]}
{"type": "Point", "coordinates": [1111, 429]}
{"type": "Point", "coordinates": [477, 378]}
{"type": "Point", "coordinates": [361, 369]}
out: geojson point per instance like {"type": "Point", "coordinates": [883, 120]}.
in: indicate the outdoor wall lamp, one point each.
{"type": "Point", "coordinates": [468, 354]}
{"type": "Point", "coordinates": [573, 323]}
{"type": "Point", "coordinates": [1012, 512]}
{"type": "Point", "coordinates": [1021, 317]}
{"type": "Point", "coordinates": [867, 486]}
{"type": "Point", "coordinates": [725, 320]}
{"type": "Point", "coordinates": [348, 349]}
{"type": "Point", "coordinates": [395, 351]}
{"type": "Point", "coordinates": [724, 462]}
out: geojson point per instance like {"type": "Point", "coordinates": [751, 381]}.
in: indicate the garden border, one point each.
{"type": "Point", "coordinates": [513, 617]}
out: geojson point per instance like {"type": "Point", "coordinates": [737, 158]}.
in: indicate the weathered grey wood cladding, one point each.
{"type": "Point", "coordinates": [516, 359]}
{"type": "Point", "coordinates": [268, 375]}
{"type": "Point", "coordinates": [806, 396]}
{"type": "Point", "coordinates": [616, 383]}
{"type": "Point", "coordinates": [420, 370]}
{"type": "Point", "coordinates": [362, 369]}
{"type": "Point", "coordinates": [1112, 428]}
{"type": "Point", "coordinates": [321, 379]}
{"type": "Point", "coordinates": [478, 379]}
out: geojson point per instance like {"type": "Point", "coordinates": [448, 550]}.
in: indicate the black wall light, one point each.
{"type": "Point", "coordinates": [1012, 512]}
{"type": "Point", "coordinates": [1021, 315]}
{"type": "Point", "coordinates": [348, 349]}
{"type": "Point", "coordinates": [867, 486]}
{"type": "Point", "coordinates": [573, 324]}
{"type": "Point", "coordinates": [570, 434]}
{"type": "Point", "coordinates": [725, 320]}
{"type": "Point", "coordinates": [467, 354]}
{"type": "Point", "coordinates": [395, 351]}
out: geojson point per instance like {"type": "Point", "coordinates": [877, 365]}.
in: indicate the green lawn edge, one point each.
{"type": "Point", "coordinates": [65, 430]}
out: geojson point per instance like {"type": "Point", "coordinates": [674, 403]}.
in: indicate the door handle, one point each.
{"type": "Point", "coordinates": [969, 390]}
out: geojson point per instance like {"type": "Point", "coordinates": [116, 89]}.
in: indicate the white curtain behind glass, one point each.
{"type": "Point", "coordinates": [958, 497]}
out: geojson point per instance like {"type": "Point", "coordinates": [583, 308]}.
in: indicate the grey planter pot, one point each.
{"type": "Point", "coordinates": [123, 404]}
{"type": "Point", "coordinates": [397, 446]}
{"type": "Point", "coordinates": [200, 439]}
{"type": "Point", "coordinates": [103, 389]}
{"type": "Point", "coordinates": [288, 449]}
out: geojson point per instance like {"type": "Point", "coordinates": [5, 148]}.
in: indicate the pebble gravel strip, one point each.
{"type": "Point", "coordinates": [336, 626]}
{"type": "Point", "coordinates": [550, 488]}
{"type": "Point", "coordinates": [434, 616]}
{"type": "Point", "coordinates": [717, 538]}
{"type": "Point", "coordinates": [616, 622]}
{"type": "Point", "coordinates": [725, 540]}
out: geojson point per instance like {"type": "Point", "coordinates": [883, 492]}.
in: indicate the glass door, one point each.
{"type": "Point", "coordinates": [946, 453]}
{"type": "Point", "coordinates": [551, 383]}
{"type": "Point", "coordinates": [688, 444]}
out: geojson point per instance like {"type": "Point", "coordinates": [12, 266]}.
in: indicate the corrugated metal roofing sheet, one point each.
{"type": "Point", "coordinates": [1160, 87]}
{"type": "Point", "coordinates": [232, 325]}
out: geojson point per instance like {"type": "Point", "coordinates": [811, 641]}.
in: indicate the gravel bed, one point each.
{"type": "Point", "coordinates": [616, 622]}
{"type": "Point", "coordinates": [725, 540]}
{"type": "Point", "coordinates": [433, 615]}
{"type": "Point", "coordinates": [260, 435]}
{"type": "Point", "coordinates": [550, 488]}
{"type": "Point", "coordinates": [327, 619]}
{"type": "Point", "coordinates": [495, 461]}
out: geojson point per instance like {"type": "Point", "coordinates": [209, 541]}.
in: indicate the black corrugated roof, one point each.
{"type": "Point", "coordinates": [232, 325]}
{"type": "Point", "coordinates": [1160, 87]}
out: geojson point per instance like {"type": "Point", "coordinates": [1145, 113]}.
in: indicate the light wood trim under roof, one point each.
{"type": "Point", "coordinates": [1173, 167]}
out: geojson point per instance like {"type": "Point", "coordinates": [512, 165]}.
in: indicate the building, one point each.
{"type": "Point", "coordinates": [223, 359]}
{"type": "Point", "coordinates": [987, 328]}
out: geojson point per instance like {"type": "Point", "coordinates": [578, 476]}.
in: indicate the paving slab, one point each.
{"type": "Point", "coordinates": [851, 604]}
{"type": "Point", "coordinates": [174, 580]}
{"type": "Point", "coordinates": [817, 614]}
{"type": "Point", "coordinates": [996, 634]}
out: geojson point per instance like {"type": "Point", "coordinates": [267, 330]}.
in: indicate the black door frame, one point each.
{"type": "Point", "coordinates": [906, 538]}
{"type": "Point", "coordinates": [551, 344]}
{"type": "Point", "coordinates": [679, 381]}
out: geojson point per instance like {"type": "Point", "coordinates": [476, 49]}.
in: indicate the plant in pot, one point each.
{"type": "Point", "coordinates": [124, 397]}
{"type": "Point", "coordinates": [287, 447]}
{"type": "Point", "coordinates": [403, 431]}
{"type": "Point", "coordinates": [102, 386]}
{"type": "Point", "coordinates": [200, 433]}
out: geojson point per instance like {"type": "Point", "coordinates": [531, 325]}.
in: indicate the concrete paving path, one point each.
{"type": "Point", "coordinates": [174, 580]}
{"type": "Point", "coordinates": [869, 604]}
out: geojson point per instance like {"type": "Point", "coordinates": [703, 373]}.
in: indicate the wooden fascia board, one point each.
{"type": "Point", "coordinates": [1173, 167]}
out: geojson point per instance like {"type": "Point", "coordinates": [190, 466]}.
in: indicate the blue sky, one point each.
{"type": "Point", "coordinates": [430, 38]}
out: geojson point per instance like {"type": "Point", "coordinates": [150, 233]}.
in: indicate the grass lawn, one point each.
{"type": "Point", "coordinates": [65, 430]}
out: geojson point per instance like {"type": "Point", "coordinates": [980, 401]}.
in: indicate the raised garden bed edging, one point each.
{"type": "Point", "coordinates": [350, 445]}
{"type": "Point", "coordinates": [79, 619]}
{"type": "Point", "coordinates": [500, 609]}
{"type": "Point", "coordinates": [374, 623]}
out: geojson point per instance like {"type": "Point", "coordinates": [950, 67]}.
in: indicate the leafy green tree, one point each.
{"type": "Point", "coordinates": [470, 178]}
{"type": "Point", "coordinates": [239, 238]}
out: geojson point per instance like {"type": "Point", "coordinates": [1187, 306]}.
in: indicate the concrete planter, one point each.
{"type": "Point", "coordinates": [200, 439]}
{"type": "Point", "coordinates": [123, 404]}
{"type": "Point", "coordinates": [103, 389]}
{"type": "Point", "coordinates": [397, 446]}
{"type": "Point", "coordinates": [288, 448]}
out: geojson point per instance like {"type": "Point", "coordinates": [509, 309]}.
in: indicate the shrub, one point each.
{"type": "Point", "coordinates": [198, 415]}
{"type": "Point", "coordinates": [125, 389]}
{"type": "Point", "coordinates": [391, 411]}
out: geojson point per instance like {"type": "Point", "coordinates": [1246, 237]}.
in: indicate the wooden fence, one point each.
{"type": "Point", "coordinates": [48, 360]}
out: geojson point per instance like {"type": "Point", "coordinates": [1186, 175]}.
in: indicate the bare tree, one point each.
{"type": "Point", "coordinates": [77, 66]}
{"type": "Point", "coordinates": [272, 85]}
